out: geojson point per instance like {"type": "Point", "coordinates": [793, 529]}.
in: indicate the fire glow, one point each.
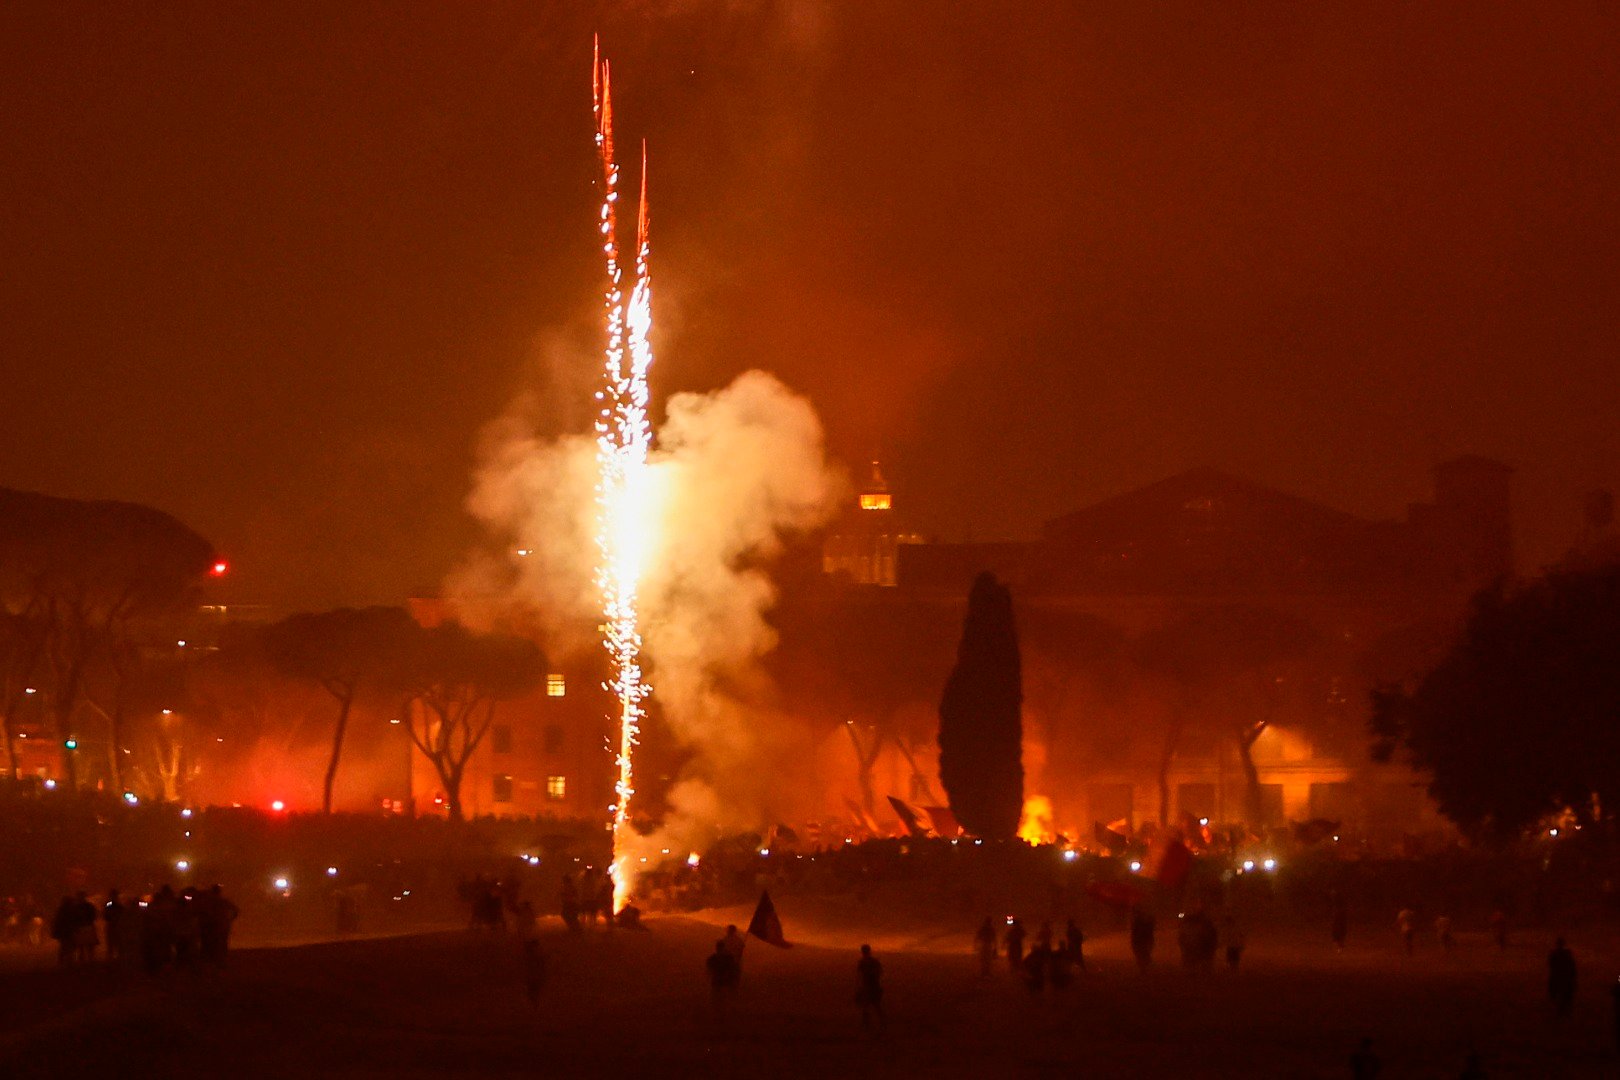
{"type": "Point", "coordinates": [623, 495]}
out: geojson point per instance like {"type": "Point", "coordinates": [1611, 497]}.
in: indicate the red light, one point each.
{"type": "Point", "coordinates": [278, 806]}
{"type": "Point", "coordinates": [219, 568]}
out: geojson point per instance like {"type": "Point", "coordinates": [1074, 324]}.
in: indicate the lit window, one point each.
{"type": "Point", "coordinates": [874, 500]}
{"type": "Point", "coordinates": [556, 685]}
{"type": "Point", "coordinates": [556, 787]}
{"type": "Point", "coordinates": [503, 788]}
{"type": "Point", "coordinates": [500, 739]}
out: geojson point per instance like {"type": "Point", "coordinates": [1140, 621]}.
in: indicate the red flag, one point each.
{"type": "Point", "coordinates": [765, 925]}
{"type": "Point", "coordinates": [944, 822]}
{"type": "Point", "coordinates": [907, 816]}
{"type": "Point", "coordinates": [1168, 862]}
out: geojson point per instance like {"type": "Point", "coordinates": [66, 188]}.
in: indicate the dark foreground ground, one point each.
{"type": "Point", "coordinates": [637, 1004]}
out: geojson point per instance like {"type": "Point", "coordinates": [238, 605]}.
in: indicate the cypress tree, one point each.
{"type": "Point", "coordinates": [980, 722]}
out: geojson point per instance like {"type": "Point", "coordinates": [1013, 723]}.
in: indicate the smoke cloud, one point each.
{"type": "Point", "coordinates": [736, 472]}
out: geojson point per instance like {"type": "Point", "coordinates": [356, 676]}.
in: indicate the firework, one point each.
{"type": "Point", "coordinates": [622, 441]}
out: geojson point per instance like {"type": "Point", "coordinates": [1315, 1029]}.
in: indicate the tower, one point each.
{"type": "Point", "coordinates": [863, 543]}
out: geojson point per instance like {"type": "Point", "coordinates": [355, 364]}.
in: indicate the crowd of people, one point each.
{"type": "Point", "coordinates": [1049, 961]}
{"type": "Point", "coordinates": [168, 928]}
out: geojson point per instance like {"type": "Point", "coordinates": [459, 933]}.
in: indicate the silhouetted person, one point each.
{"type": "Point", "coordinates": [1074, 943]}
{"type": "Point", "coordinates": [734, 943]}
{"type": "Point", "coordinates": [1234, 940]}
{"type": "Point", "coordinates": [1035, 967]}
{"type": "Point", "coordinates": [629, 917]}
{"type": "Point", "coordinates": [534, 959]}
{"type": "Point", "coordinates": [1015, 946]}
{"type": "Point", "coordinates": [1340, 922]}
{"type": "Point", "coordinates": [984, 942]}
{"type": "Point", "coordinates": [589, 895]}
{"type": "Point", "coordinates": [1442, 930]}
{"type": "Point", "coordinates": [157, 931]}
{"type": "Point", "coordinates": [724, 974]}
{"type": "Point", "coordinates": [1199, 940]}
{"type": "Point", "coordinates": [216, 914]}
{"type": "Point", "coordinates": [1406, 923]}
{"type": "Point", "coordinates": [112, 920]}
{"type": "Point", "coordinates": [570, 902]}
{"type": "Point", "coordinates": [1142, 930]}
{"type": "Point", "coordinates": [1561, 978]}
{"type": "Point", "coordinates": [604, 899]}
{"type": "Point", "coordinates": [64, 930]}
{"type": "Point", "coordinates": [869, 988]}
{"type": "Point", "coordinates": [85, 939]}
{"type": "Point", "coordinates": [1059, 962]}
{"type": "Point", "coordinates": [1364, 1064]}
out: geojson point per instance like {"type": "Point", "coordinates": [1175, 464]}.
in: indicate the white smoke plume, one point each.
{"type": "Point", "coordinates": [737, 471]}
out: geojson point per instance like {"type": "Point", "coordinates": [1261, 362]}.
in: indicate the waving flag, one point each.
{"type": "Point", "coordinates": [765, 925]}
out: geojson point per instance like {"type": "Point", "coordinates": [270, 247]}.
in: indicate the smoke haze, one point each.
{"type": "Point", "coordinates": [735, 472]}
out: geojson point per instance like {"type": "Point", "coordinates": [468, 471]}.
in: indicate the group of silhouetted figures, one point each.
{"type": "Point", "coordinates": [168, 928]}
{"type": "Point", "coordinates": [587, 898]}
{"type": "Point", "coordinates": [724, 967]}
{"type": "Point", "coordinates": [1048, 962]}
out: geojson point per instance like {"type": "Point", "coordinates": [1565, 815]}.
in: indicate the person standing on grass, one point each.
{"type": "Point", "coordinates": [1015, 946]}
{"type": "Point", "coordinates": [112, 914]}
{"type": "Point", "coordinates": [1142, 930]}
{"type": "Point", "coordinates": [1561, 978]}
{"type": "Point", "coordinates": [1233, 939]}
{"type": "Point", "coordinates": [1074, 943]}
{"type": "Point", "coordinates": [1406, 923]}
{"type": "Point", "coordinates": [869, 989]}
{"type": "Point", "coordinates": [734, 944]}
{"type": "Point", "coordinates": [724, 975]}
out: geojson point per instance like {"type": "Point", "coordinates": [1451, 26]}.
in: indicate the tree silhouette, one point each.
{"type": "Point", "coordinates": [1519, 719]}
{"type": "Point", "coordinates": [1230, 667]}
{"type": "Point", "coordinates": [455, 678]}
{"type": "Point", "coordinates": [345, 651]}
{"type": "Point", "coordinates": [980, 718]}
{"type": "Point", "coordinates": [84, 574]}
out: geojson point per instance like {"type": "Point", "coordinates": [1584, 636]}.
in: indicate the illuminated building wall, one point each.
{"type": "Point", "coordinates": [545, 754]}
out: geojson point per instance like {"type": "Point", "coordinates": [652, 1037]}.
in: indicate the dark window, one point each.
{"type": "Point", "coordinates": [554, 738]}
{"type": "Point", "coordinates": [503, 788]}
{"type": "Point", "coordinates": [1196, 800]}
{"type": "Point", "coordinates": [500, 739]}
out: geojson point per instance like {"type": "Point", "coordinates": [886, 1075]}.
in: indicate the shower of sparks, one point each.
{"type": "Point", "coordinates": [623, 496]}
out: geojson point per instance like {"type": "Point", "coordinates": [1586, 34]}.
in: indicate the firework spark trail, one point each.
{"type": "Point", "coordinates": [623, 437]}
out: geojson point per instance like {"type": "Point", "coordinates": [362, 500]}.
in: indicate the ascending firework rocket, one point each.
{"type": "Point", "coordinates": [623, 437]}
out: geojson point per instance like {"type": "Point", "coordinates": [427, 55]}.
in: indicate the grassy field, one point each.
{"type": "Point", "coordinates": [637, 1004]}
